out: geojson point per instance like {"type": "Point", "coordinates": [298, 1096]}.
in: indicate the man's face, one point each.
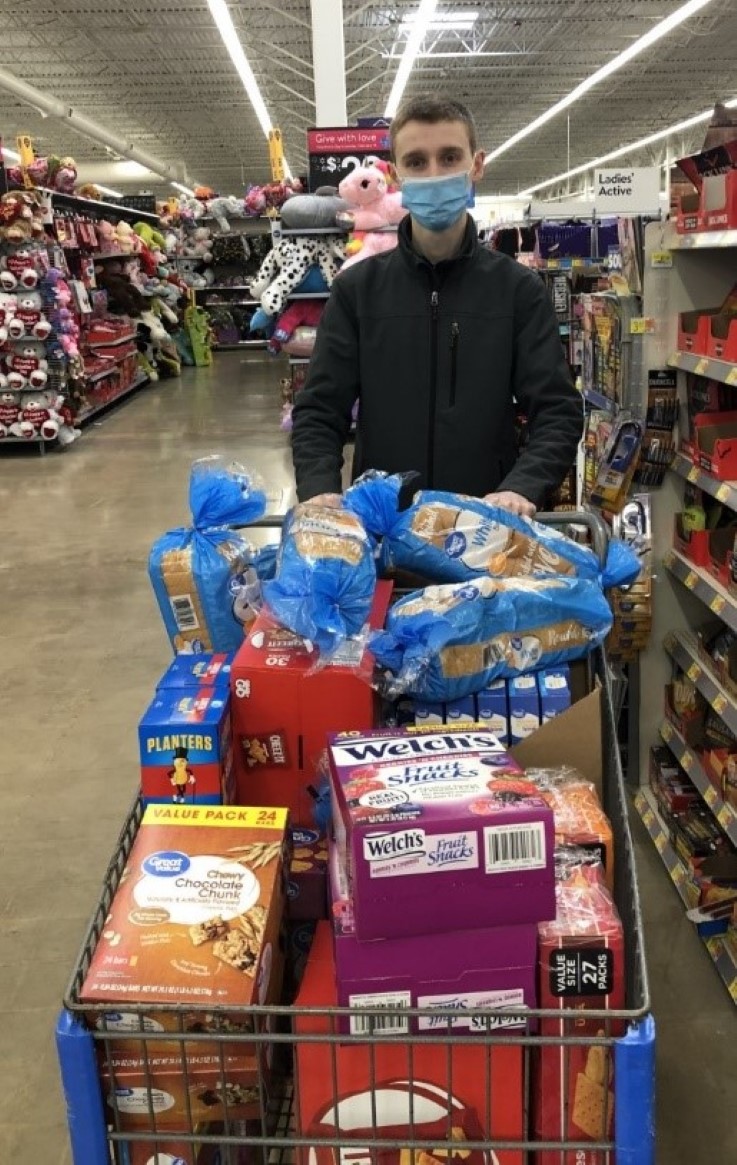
{"type": "Point", "coordinates": [435, 150]}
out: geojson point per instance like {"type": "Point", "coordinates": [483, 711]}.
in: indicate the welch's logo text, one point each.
{"type": "Point", "coordinates": [166, 864]}
{"type": "Point", "coordinates": [391, 747]}
{"type": "Point", "coordinates": [387, 847]}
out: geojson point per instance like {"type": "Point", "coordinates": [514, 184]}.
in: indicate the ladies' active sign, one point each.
{"type": "Point", "coordinates": [333, 153]}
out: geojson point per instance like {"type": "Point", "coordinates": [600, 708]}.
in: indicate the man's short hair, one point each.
{"type": "Point", "coordinates": [429, 108]}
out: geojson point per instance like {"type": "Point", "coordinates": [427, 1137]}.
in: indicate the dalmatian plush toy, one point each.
{"type": "Point", "coordinates": [286, 265]}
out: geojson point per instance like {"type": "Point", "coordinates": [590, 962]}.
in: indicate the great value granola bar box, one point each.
{"type": "Point", "coordinates": [195, 921]}
{"type": "Point", "coordinates": [439, 830]}
{"type": "Point", "coordinates": [459, 975]}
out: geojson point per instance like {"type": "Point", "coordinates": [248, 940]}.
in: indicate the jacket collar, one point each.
{"type": "Point", "coordinates": [469, 246]}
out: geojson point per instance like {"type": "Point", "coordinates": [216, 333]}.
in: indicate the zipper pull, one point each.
{"type": "Point", "coordinates": [434, 304]}
{"type": "Point", "coordinates": [455, 332]}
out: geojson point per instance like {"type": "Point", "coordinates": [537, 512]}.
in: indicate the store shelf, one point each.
{"type": "Point", "coordinates": [703, 241]}
{"type": "Point", "coordinates": [599, 401]}
{"type": "Point", "coordinates": [240, 344]}
{"type": "Point", "coordinates": [704, 586]}
{"type": "Point", "coordinates": [310, 295]}
{"type": "Point", "coordinates": [299, 359]}
{"type": "Point", "coordinates": [103, 372]}
{"type": "Point", "coordinates": [704, 366]}
{"type": "Point", "coordinates": [278, 230]}
{"type": "Point", "coordinates": [723, 491]}
{"type": "Point", "coordinates": [129, 339]}
{"type": "Point", "coordinates": [688, 760]}
{"type": "Point", "coordinates": [646, 806]}
{"type": "Point", "coordinates": [93, 410]}
{"type": "Point", "coordinates": [719, 949]}
{"type": "Point", "coordinates": [74, 202]}
{"type": "Point", "coordinates": [222, 287]}
{"type": "Point", "coordinates": [230, 303]}
{"type": "Point", "coordinates": [683, 648]}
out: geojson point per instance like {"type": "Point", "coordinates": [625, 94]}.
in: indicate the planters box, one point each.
{"type": "Point", "coordinates": [307, 888]}
{"type": "Point", "coordinates": [400, 1090]}
{"type": "Point", "coordinates": [282, 715]}
{"type": "Point", "coordinates": [493, 710]}
{"type": "Point", "coordinates": [462, 972]}
{"type": "Point", "coordinates": [185, 747]}
{"type": "Point", "coordinates": [195, 921]}
{"type": "Point", "coordinates": [524, 707]}
{"type": "Point", "coordinates": [209, 670]}
{"type": "Point", "coordinates": [439, 830]}
{"type": "Point", "coordinates": [715, 437]}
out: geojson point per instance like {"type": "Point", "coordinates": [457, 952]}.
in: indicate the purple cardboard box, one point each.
{"type": "Point", "coordinates": [439, 830]}
{"type": "Point", "coordinates": [466, 971]}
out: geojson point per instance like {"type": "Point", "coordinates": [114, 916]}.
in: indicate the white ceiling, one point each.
{"type": "Point", "coordinates": [158, 75]}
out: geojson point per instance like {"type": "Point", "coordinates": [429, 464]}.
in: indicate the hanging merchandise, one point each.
{"type": "Point", "coordinates": [618, 463]}
{"type": "Point", "coordinates": [204, 576]}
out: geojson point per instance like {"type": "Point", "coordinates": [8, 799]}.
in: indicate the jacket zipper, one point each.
{"type": "Point", "coordinates": [455, 332]}
{"type": "Point", "coordinates": [434, 311]}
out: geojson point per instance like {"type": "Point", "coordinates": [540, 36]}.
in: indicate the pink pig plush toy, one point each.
{"type": "Point", "coordinates": [372, 205]}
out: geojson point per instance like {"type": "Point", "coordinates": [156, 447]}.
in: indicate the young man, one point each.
{"type": "Point", "coordinates": [442, 342]}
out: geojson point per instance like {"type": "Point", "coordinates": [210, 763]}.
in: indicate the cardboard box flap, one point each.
{"type": "Point", "coordinates": [573, 738]}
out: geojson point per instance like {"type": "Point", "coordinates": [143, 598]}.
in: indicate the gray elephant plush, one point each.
{"type": "Point", "coordinates": [312, 211]}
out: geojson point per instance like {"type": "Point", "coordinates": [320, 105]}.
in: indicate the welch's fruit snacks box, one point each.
{"type": "Point", "coordinates": [439, 830]}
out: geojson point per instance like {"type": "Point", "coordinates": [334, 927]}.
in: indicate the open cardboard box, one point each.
{"type": "Point", "coordinates": [572, 739]}
{"type": "Point", "coordinates": [715, 436]}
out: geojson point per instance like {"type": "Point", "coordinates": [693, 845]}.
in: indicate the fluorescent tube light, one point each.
{"type": "Point", "coordinates": [445, 20]}
{"type": "Point", "coordinates": [661, 29]}
{"type": "Point", "coordinates": [183, 189]}
{"type": "Point", "coordinates": [107, 190]}
{"type": "Point", "coordinates": [10, 155]}
{"type": "Point", "coordinates": [226, 28]}
{"type": "Point", "coordinates": [420, 25]}
{"type": "Point", "coordinates": [631, 148]}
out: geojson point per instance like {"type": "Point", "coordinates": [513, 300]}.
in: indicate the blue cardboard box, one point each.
{"type": "Point", "coordinates": [554, 685]}
{"type": "Point", "coordinates": [461, 711]}
{"type": "Point", "coordinates": [524, 707]}
{"type": "Point", "coordinates": [428, 713]}
{"type": "Point", "coordinates": [492, 710]}
{"type": "Point", "coordinates": [210, 669]}
{"type": "Point", "coordinates": [186, 747]}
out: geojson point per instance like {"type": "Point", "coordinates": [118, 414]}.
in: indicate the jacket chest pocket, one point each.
{"type": "Point", "coordinates": [474, 351]}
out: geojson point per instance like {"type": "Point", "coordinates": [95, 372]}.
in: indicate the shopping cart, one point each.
{"type": "Point", "coordinates": [278, 1035]}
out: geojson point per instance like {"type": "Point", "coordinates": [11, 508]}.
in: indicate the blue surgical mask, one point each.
{"type": "Point", "coordinates": [436, 203]}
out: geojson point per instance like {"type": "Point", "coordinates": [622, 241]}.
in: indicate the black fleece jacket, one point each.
{"type": "Point", "coordinates": [442, 358]}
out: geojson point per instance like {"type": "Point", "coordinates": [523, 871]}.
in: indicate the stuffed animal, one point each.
{"type": "Point", "coordinates": [28, 317]}
{"type": "Point", "coordinates": [153, 239]}
{"type": "Point", "coordinates": [65, 176]}
{"type": "Point", "coordinates": [9, 411]}
{"type": "Point", "coordinates": [224, 209]}
{"type": "Point", "coordinates": [89, 190]}
{"type": "Point", "coordinates": [316, 211]}
{"type": "Point", "coordinates": [371, 207]}
{"type": "Point", "coordinates": [127, 239]}
{"type": "Point", "coordinates": [301, 313]}
{"type": "Point", "coordinates": [254, 203]}
{"type": "Point", "coordinates": [109, 244]}
{"type": "Point", "coordinates": [27, 365]}
{"type": "Point", "coordinates": [286, 265]}
{"type": "Point", "coordinates": [8, 307]}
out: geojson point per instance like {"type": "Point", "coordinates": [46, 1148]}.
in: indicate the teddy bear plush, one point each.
{"type": "Point", "coordinates": [127, 239]}
{"type": "Point", "coordinates": [108, 239]}
{"type": "Point", "coordinates": [9, 411]}
{"type": "Point", "coordinates": [371, 206]}
{"type": "Point", "coordinates": [287, 264]}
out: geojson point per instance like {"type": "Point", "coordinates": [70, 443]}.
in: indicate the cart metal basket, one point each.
{"type": "Point", "coordinates": [280, 1035]}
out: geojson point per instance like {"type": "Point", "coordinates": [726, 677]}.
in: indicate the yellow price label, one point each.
{"type": "Point", "coordinates": [694, 672]}
{"type": "Point", "coordinates": [678, 875]}
{"type": "Point", "coordinates": [577, 263]}
{"type": "Point", "coordinates": [687, 761]}
{"type": "Point", "coordinates": [669, 558]}
{"type": "Point", "coordinates": [642, 325]}
{"type": "Point", "coordinates": [675, 359]}
{"type": "Point", "coordinates": [723, 492]}
{"type": "Point", "coordinates": [717, 604]}
{"type": "Point", "coordinates": [720, 704]}
{"type": "Point", "coordinates": [701, 367]}
{"type": "Point", "coordinates": [725, 816]}
{"type": "Point", "coordinates": [660, 842]}
{"type": "Point", "coordinates": [733, 988]}
{"type": "Point", "coordinates": [693, 474]}
{"type": "Point", "coordinates": [666, 732]}
{"type": "Point", "coordinates": [553, 264]}
{"type": "Point", "coordinates": [661, 259]}
{"type": "Point", "coordinates": [710, 796]}
{"type": "Point", "coordinates": [690, 580]}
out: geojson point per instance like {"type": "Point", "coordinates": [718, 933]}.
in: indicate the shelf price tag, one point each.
{"type": "Point", "coordinates": [723, 492]}
{"type": "Point", "coordinates": [732, 376]}
{"type": "Point", "coordinates": [701, 366]}
{"type": "Point", "coordinates": [690, 580]}
{"type": "Point", "coordinates": [666, 731]}
{"type": "Point", "coordinates": [687, 761]}
{"type": "Point", "coordinates": [642, 325]}
{"type": "Point", "coordinates": [660, 842]}
{"type": "Point", "coordinates": [710, 796]}
{"type": "Point", "coordinates": [717, 604]}
{"type": "Point", "coordinates": [694, 672]}
{"type": "Point", "coordinates": [725, 817]}
{"type": "Point", "coordinates": [720, 704]}
{"type": "Point", "coordinates": [661, 259]}
{"type": "Point", "coordinates": [576, 262]}
{"type": "Point", "coordinates": [693, 474]}
{"type": "Point", "coordinates": [732, 988]}
{"type": "Point", "coordinates": [553, 264]}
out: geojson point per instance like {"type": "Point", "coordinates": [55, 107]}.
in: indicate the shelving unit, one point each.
{"type": "Point", "coordinates": [86, 205]}
{"type": "Point", "coordinates": [703, 585]}
{"type": "Point", "coordinates": [720, 950]}
{"type": "Point", "coordinates": [683, 648]}
{"type": "Point", "coordinates": [723, 491]}
{"type": "Point", "coordinates": [691, 763]}
{"type": "Point", "coordinates": [94, 410]}
{"type": "Point", "coordinates": [704, 366]}
{"type": "Point", "coordinates": [703, 241]}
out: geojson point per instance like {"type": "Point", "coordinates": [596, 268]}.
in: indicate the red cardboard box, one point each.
{"type": "Point", "coordinates": [719, 202]}
{"type": "Point", "coordinates": [715, 436]}
{"type": "Point", "coordinates": [460, 1092]}
{"type": "Point", "coordinates": [723, 338]}
{"type": "Point", "coordinates": [693, 544]}
{"type": "Point", "coordinates": [282, 715]}
{"type": "Point", "coordinates": [581, 968]}
{"type": "Point", "coordinates": [693, 330]}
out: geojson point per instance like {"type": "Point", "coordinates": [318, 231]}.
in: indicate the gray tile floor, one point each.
{"type": "Point", "coordinates": [82, 646]}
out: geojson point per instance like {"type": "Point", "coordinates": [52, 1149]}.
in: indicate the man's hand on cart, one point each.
{"type": "Point", "coordinates": [514, 503]}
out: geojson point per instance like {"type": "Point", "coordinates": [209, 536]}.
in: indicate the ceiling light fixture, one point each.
{"type": "Point", "coordinates": [661, 29]}
{"type": "Point", "coordinates": [107, 190]}
{"type": "Point", "coordinates": [631, 148]}
{"type": "Point", "coordinates": [420, 24]}
{"type": "Point", "coordinates": [445, 20]}
{"type": "Point", "coordinates": [183, 189]}
{"type": "Point", "coordinates": [10, 154]}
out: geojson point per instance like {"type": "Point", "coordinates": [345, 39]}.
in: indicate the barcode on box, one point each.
{"type": "Point", "coordinates": [390, 1023]}
{"type": "Point", "coordinates": [515, 847]}
{"type": "Point", "coordinates": [184, 613]}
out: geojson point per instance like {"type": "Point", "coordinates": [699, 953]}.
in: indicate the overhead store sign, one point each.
{"type": "Point", "coordinates": [333, 153]}
{"type": "Point", "coordinates": [627, 191]}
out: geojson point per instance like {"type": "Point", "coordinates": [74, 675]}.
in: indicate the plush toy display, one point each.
{"type": "Point", "coordinates": [224, 209]}
{"type": "Point", "coordinates": [52, 172]}
{"type": "Point", "coordinates": [127, 239]}
{"type": "Point", "coordinates": [153, 239]}
{"type": "Point", "coordinates": [287, 264]}
{"type": "Point", "coordinates": [302, 313]}
{"type": "Point", "coordinates": [313, 211]}
{"type": "Point", "coordinates": [372, 206]}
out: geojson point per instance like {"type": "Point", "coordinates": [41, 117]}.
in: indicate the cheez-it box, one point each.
{"type": "Point", "coordinates": [195, 921]}
{"type": "Point", "coordinates": [581, 957]}
{"type": "Point", "coordinates": [282, 714]}
{"type": "Point", "coordinates": [401, 1090]}
{"type": "Point", "coordinates": [185, 747]}
{"type": "Point", "coordinates": [439, 830]}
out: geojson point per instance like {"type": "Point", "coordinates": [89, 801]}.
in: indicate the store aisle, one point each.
{"type": "Point", "coordinates": [83, 646]}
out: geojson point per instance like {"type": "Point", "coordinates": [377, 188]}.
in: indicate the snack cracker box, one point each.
{"type": "Point", "coordinates": [307, 888]}
{"type": "Point", "coordinates": [461, 711]}
{"type": "Point", "coordinates": [524, 707]}
{"type": "Point", "coordinates": [463, 972]}
{"type": "Point", "coordinates": [210, 670]}
{"type": "Point", "coordinates": [439, 830]}
{"type": "Point", "coordinates": [195, 921]}
{"type": "Point", "coordinates": [581, 967]}
{"type": "Point", "coordinates": [186, 747]}
{"type": "Point", "coordinates": [400, 1089]}
{"type": "Point", "coordinates": [493, 710]}
{"type": "Point", "coordinates": [554, 686]}
{"type": "Point", "coordinates": [282, 714]}
{"type": "Point", "coordinates": [427, 713]}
